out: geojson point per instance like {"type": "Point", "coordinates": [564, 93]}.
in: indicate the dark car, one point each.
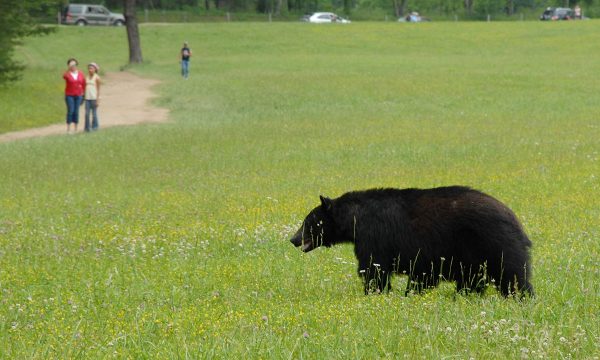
{"type": "Point", "coordinates": [557, 14]}
{"type": "Point", "coordinates": [83, 14]}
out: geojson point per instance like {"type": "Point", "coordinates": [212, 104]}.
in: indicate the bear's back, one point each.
{"type": "Point", "coordinates": [409, 196]}
{"type": "Point", "coordinates": [446, 207]}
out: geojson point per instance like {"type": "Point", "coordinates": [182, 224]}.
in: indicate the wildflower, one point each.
{"type": "Point", "coordinates": [305, 335]}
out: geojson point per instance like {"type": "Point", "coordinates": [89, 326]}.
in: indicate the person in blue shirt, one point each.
{"type": "Point", "coordinates": [185, 55]}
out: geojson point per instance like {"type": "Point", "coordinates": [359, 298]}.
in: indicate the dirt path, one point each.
{"type": "Point", "coordinates": [124, 101]}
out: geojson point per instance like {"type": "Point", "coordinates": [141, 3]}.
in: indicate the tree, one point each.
{"type": "Point", "coordinates": [510, 7]}
{"type": "Point", "coordinates": [469, 6]}
{"type": "Point", "coordinates": [400, 7]}
{"type": "Point", "coordinates": [133, 34]}
{"type": "Point", "coordinates": [16, 23]}
{"type": "Point", "coordinates": [282, 7]}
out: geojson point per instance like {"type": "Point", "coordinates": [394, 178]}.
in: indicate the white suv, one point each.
{"type": "Point", "coordinates": [83, 14]}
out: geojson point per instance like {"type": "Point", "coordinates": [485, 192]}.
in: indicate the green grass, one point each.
{"type": "Point", "coordinates": [170, 241]}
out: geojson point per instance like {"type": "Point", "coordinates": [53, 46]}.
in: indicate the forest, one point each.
{"type": "Point", "coordinates": [368, 9]}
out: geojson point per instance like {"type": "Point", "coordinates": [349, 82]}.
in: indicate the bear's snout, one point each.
{"type": "Point", "coordinates": [298, 240]}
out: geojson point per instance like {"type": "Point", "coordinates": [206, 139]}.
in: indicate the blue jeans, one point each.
{"type": "Point", "coordinates": [91, 106]}
{"type": "Point", "coordinates": [185, 68]}
{"type": "Point", "coordinates": [73, 103]}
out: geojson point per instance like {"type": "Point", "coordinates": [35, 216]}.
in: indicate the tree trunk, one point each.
{"type": "Point", "coordinates": [402, 9]}
{"type": "Point", "coordinates": [207, 4]}
{"type": "Point", "coordinates": [282, 7]}
{"type": "Point", "coordinates": [510, 7]}
{"type": "Point", "coordinates": [133, 34]}
{"type": "Point", "coordinates": [469, 6]}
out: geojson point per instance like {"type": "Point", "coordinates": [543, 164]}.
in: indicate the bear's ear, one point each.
{"type": "Point", "coordinates": [326, 203]}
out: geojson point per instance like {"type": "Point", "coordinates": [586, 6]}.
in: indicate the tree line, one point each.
{"type": "Point", "coordinates": [466, 8]}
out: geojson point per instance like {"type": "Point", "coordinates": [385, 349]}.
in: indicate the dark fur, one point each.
{"type": "Point", "coordinates": [447, 233]}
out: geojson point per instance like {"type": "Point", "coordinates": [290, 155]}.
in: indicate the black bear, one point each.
{"type": "Point", "coordinates": [449, 233]}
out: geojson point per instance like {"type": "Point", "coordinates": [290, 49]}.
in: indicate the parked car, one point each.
{"type": "Point", "coordinates": [83, 14]}
{"type": "Point", "coordinates": [557, 14]}
{"type": "Point", "coordinates": [324, 17]}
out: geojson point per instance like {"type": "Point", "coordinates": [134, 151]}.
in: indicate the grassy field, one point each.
{"type": "Point", "coordinates": [170, 241]}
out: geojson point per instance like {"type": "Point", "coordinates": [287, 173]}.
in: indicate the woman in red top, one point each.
{"type": "Point", "coordinates": [74, 90]}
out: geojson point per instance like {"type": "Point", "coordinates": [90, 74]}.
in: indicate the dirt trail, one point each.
{"type": "Point", "coordinates": [124, 101]}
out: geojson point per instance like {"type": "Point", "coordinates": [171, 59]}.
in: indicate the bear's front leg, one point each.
{"type": "Point", "coordinates": [413, 285]}
{"type": "Point", "coordinates": [376, 279]}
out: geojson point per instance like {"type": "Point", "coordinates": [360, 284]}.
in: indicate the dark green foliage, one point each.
{"type": "Point", "coordinates": [463, 9]}
{"type": "Point", "coordinates": [16, 22]}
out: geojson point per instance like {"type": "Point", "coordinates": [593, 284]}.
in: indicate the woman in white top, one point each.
{"type": "Point", "coordinates": [92, 96]}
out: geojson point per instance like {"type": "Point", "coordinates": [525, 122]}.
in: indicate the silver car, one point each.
{"type": "Point", "coordinates": [83, 14]}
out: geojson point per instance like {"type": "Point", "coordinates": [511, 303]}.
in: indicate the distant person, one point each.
{"type": "Point", "coordinates": [414, 17]}
{"type": "Point", "coordinates": [185, 54]}
{"type": "Point", "coordinates": [74, 90]}
{"type": "Point", "coordinates": [92, 97]}
{"type": "Point", "coordinates": [578, 12]}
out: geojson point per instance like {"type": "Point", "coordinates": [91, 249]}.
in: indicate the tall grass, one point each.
{"type": "Point", "coordinates": [170, 240]}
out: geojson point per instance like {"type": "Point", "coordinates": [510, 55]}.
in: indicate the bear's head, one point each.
{"type": "Point", "coordinates": [318, 228]}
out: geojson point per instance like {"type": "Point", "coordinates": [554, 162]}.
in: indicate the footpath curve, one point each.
{"type": "Point", "coordinates": [125, 100]}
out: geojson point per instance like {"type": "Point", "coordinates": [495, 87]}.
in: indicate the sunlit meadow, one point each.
{"type": "Point", "coordinates": [170, 240]}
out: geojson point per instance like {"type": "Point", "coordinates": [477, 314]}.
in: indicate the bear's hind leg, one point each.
{"type": "Point", "coordinates": [527, 290]}
{"type": "Point", "coordinates": [515, 281]}
{"type": "Point", "coordinates": [514, 286]}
